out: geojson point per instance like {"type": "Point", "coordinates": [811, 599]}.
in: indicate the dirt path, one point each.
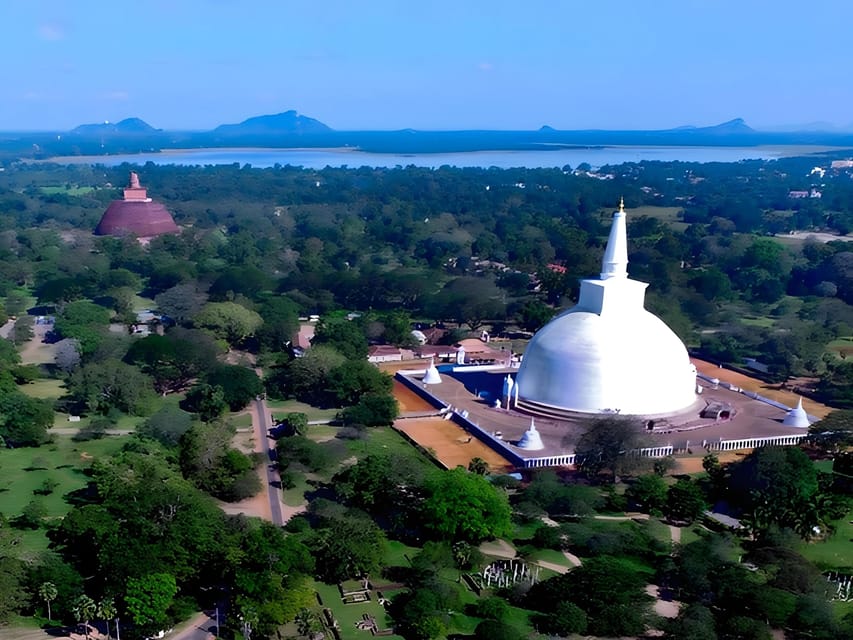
{"type": "Point", "coordinates": [36, 351]}
{"type": "Point", "coordinates": [572, 558]}
{"type": "Point", "coordinates": [675, 533]}
{"type": "Point", "coordinates": [499, 549]}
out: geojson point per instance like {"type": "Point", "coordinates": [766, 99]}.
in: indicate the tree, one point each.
{"type": "Point", "coordinates": [240, 385]}
{"type": "Point", "coordinates": [305, 378]}
{"type": "Point", "coordinates": [356, 378]}
{"type": "Point", "coordinates": [175, 359]}
{"type": "Point", "coordinates": [48, 592]}
{"type": "Point", "coordinates": [166, 425]}
{"type": "Point", "coordinates": [348, 548]}
{"type": "Point", "coordinates": [494, 630]}
{"type": "Point", "coordinates": [694, 622]}
{"type": "Point", "coordinates": [297, 423]}
{"type": "Point", "coordinates": [611, 591]}
{"type": "Point", "coordinates": [464, 506]}
{"type": "Point", "coordinates": [67, 355]}
{"type": "Point", "coordinates": [105, 610]}
{"type": "Point", "coordinates": [148, 599]}
{"type": "Point", "coordinates": [478, 466]}
{"type": "Point", "coordinates": [834, 432]}
{"type": "Point", "coordinates": [372, 411]}
{"type": "Point", "coordinates": [776, 485]}
{"type": "Point", "coordinates": [24, 421]}
{"type": "Point", "coordinates": [84, 609]}
{"type": "Point", "coordinates": [205, 400]}
{"type": "Point", "coordinates": [180, 303]}
{"type": "Point", "coordinates": [111, 384]}
{"type": "Point", "coordinates": [611, 444]}
{"type": "Point", "coordinates": [648, 492]}
{"type": "Point", "coordinates": [684, 501]}
{"type": "Point", "coordinates": [346, 336]}
{"type": "Point", "coordinates": [228, 321]}
{"type": "Point", "coordinates": [567, 619]}
{"type": "Point", "coordinates": [307, 622]}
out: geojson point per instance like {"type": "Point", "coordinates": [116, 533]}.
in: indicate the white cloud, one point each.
{"type": "Point", "coordinates": [51, 31]}
{"type": "Point", "coordinates": [116, 95]}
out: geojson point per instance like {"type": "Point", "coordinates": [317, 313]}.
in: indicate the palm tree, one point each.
{"type": "Point", "coordinates": [478, 466]}
{"type": "Point", "coordinates": [84, 609]}
{"type": "Point", "coordinates": [306, 622]}
{"type": "Point", "coordinates": [48, 592]}
{"type": "Point", "coordinates": [105, 610]}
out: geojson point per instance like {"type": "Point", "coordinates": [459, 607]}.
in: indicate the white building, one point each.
{"type": "Point", "coordinates": [607, 354]}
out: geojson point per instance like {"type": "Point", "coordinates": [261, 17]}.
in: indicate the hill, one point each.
{"type": "Point", "coordinates": [287, 123]}
{"type": "Point", "coordinates": [126, 127]}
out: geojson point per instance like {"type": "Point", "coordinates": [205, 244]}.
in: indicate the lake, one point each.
{"type": "Point", "coordinates": [320, 158]}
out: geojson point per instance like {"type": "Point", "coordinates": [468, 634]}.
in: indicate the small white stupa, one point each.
{"type": "Point", "coordinates": [509, 383]}
{"type": "Point", "coordinates": [431, 376]}
{"type": "Point", "coordinates": [797, 417]}
{"type": "Point", "coordinates": [531, 440]}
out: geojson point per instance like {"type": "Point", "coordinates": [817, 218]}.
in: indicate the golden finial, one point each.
{"type": "Point", "coordinates": [621, 204]}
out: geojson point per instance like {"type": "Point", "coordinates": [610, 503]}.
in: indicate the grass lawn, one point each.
{"type": "Point", "coordinates": [397, 554]}
{"type": "Point", "coordinates": [690, 534]}
{"type": "Point", "coordinates": [279, 407]}
{"type": "Point", "coordinates": [295, 497]}
{"type": "Point", "coordinates": [24, 470]}
{"type": "Point", "coordinates": [139, 303]}
{"type": "Point", "coordinates": [836, 552]}
{"type": "Point", "coordinates": [72, 191]}
{"type": "Point", "coordinates": [44, 388]}
{"type": "Point", "coordinates": [658, 530]}
{"type": "Point", "coordinates": [842, 347]}
{"type": "Point", "coordinates": [761, 322]}
{"type": "Point", "coordinates": [241, 420]}
{"type": "Point", "coordinates": [385, 440]}
{"type": "Point", "coordinates": [321, 432]}
{"type": "Point", "coordinates": [549, 555]}
{"type": "Point", "coordinates": [348, 615]}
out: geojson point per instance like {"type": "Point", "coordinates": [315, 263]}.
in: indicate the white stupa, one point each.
{"type": "Point", "coordinates": [607, 354]}
{"type": "Point", "coordinates": [797, 417]}
{"type": "Point", "coordinates": [531, 440]}
{"type": "Point", "coordinates": [431, 376]}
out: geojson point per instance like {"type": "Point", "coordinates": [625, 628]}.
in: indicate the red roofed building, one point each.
{"type": "Point", "coordinates": [136, 214]}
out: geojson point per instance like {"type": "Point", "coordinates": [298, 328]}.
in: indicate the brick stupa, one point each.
{"type": "Point", "coordinates": [136, 214]}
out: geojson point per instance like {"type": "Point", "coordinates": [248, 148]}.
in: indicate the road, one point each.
{"type": "Point", "coordinates": [262, 429]}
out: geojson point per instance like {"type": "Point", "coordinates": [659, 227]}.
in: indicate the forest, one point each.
{"type": "Point", "coordinates": [373, 253]}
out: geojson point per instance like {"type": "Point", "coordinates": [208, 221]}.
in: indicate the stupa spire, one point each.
{"type": "Point", "coordinates": [615, 261]}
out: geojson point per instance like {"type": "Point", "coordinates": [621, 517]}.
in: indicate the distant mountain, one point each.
{"type": "Point", "coordinates": [287, 123]}
{"type": "Point", "coordinates": [128, 126]}
{"type": "Point", "coordinates": [732, 127]}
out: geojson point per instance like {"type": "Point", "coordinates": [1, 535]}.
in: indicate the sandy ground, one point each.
{"type": "Point", "coordinates": [35, 351]}
{"type": "Point", "coordinates": [694, 464]}
{"type": "Point", "coordinates": [453, 446]}
{"type": "Point", "coordinates": [408, 399]}
{"type": "Point", "coordinates": [772, 391]}
{"type": "Point", "coordinates": [819, 236]}
{"type": "Point", "coordinates": [247, 441]}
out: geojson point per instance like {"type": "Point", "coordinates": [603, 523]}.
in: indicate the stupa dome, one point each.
{"type": "Point", "coordinates": [432, 376]}
{"type": "Point", "coordinates": [797, 417]}
{"type": "Point", "coordinates": [531, 440]}
{"type": "Point", "coordinates": [607, 354]}
{"type": "Point", "coordinates": [136, 214]}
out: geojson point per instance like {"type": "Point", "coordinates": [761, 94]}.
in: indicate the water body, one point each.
{"type": "Point", "coordinates": [320, 158]}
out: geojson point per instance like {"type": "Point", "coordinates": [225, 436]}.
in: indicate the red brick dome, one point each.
{"type": "Point", "coordinates": [136, 214]}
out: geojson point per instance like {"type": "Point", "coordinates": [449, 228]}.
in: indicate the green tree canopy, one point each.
{"type": "Point", "coordinates": [228, 321]}
{"type": "Point", "coordinates": [465, 506]}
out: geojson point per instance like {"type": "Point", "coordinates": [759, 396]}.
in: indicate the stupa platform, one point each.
{"type": "Point", "coordinates": [473, 393]}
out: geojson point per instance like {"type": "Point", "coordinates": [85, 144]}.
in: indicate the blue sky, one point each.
{"type": "Point", "coordinates": [435, 64]}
